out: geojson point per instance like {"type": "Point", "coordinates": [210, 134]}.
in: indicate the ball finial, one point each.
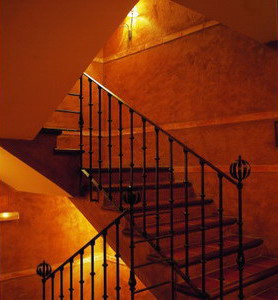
{"type": "Point", "coordinates": [240, 169]}
{"type": "Point", "coordinates": [44, 269]}
{"type": "Point", "coordinates": [131, 197]}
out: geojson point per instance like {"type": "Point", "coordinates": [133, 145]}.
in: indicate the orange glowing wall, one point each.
{"type": "Point", "coordinates": [49, 228]}
{"type": "Point", "coordinates": [211, 87]}
{"type": "Point", "coordinates": [214, 89]}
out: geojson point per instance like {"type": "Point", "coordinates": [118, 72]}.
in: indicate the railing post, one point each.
{"type": "Point", "coordinates": [240, 170]}
{"type": "Point", "coordinates": [131, 149]}
{"type": "Point", "coordinates": [157, 216]}
{"type": "Point", "coordinates": [105, 265]}
{"type": "Point", "coordinates": [171, 231]}
{"type": "Point", "coordinates": [221, 233]}
{"type": "Point", "coordinates": [121, 153]}
{"type": "Point", "coordinates": [81, 281]}
{"type": "Point", "coordinates": [109, 146]}
{"type": "Point", "coordinates": [118, 256]}
{"type": "Point", "coordinates": [61, 296]}
{"type": "Point", "coordinates": [92, 273]}
{"type": "Point", "coordinates": [186, 212]}
{"type": "Point", "coordinates": [71, 289]}
{"type": "Point", "coordinates": [91, 138]}
{"type": "Point", "coordinates": [131, 198]}
{"type": "Point", "coordinates": [203, 226]}
{"type": "Point", "coordinates": [81, 124]}
{"type": "Point", "coordinates": [99, 140]}
{"type": "Point", "coordinates": [144, 176]}
{"type": "Point", "coordinates": [44, 270]}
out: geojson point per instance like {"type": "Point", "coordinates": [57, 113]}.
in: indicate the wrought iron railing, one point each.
{"type": "Point", "coordinates": [177, 150]}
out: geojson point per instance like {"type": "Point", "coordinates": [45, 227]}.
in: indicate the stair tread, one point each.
{"type": "Point", "coordinates": [61, 129]}
{"type": "Point", "coordinates": [194, 225]}
{"type": "Point", "coordinates": [164, 205]}
{"type": "Point", "coordinates": [212, 249]}
{"type": "Point", "coordinates": [255, 269]}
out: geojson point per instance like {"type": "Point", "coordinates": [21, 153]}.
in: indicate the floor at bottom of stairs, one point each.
{"type": "Point", "coordinates": [269, 294]}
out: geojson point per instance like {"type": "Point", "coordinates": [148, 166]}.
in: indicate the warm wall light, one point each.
{"type": "Point", "coordinates": [9, 216]}
{"type": "Point", "coordinates": [132, 15]}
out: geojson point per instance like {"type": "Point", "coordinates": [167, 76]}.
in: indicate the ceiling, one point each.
{"type": "Point", "coordinates": [256, 19]}
{"type": "Point", "coordinates": [45, 46]}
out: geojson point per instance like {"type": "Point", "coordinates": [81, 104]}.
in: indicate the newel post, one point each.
{"type": "Point", "coordinates": [240, 170]}
{"type": "Point", "coordinates": [44, 270]}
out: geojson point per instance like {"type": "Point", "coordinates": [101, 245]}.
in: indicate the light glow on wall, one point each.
{"type": "Point", "coordinates": [9, 216]}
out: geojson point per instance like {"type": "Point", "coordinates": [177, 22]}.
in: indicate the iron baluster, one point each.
{"type": "Point", "coordinates": [81, 275]}
{"type": "Point", "coordinates": [171, 232]}
{"type": "Point", "coordinates": [203, 228]}
{"type": "Point", "coordinates": [90, 138]}
{"type": "Point", "coordinates": [157, 158]}
{"type": "Point", "coordinates": [121, 154]}
{"type": "Point", "coordinates": [240, 257]}
{"type": "Point", "coordinates": [99, 139]}
{"type": "Point", "coordinates": [81, 124]}
{"type": "Point", "coordinates": [61, 296]}
{"type": "Point", "coordinates": [109, 146]}
{"type": "Point", "coordinates": [52, 286]}
{"type": "Point", "coordinates": [117, 255]}
{"type": "Point", "coordinates": [144, 175]}
{"type": "Point", "coordinates": [43, 289]}
{"type": "Point", "coordinates": [131, 199]}
{"type": "Point", "coordinates": [44, 270]}
{"type": "Point", "coordinates": [131, 149]}
{"type": "Point", "coordinates": [221, 245]}
{"type": "Point", "coordinates": [71, 279]}
{"type": "Point", "coordinates": [105, 296]}
{"type": "Point", "coordinates": [186, 212]}
{"type": "Point", "coordinates": [92, 273]}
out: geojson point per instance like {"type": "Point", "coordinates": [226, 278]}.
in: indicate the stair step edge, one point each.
{"type": "Point", "coordinates": [68, 151]}
{"type": "Point", "coordinates": [52, 131]}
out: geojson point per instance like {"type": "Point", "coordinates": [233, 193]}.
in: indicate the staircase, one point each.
{"type": "Point", "coordinates": [175, 239]}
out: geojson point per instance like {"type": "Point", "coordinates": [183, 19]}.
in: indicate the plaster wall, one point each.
{"type": "Point", "coordinates": [214, 89]}
{"type": "Point", "coordinates": [45, 46]}
{"type": "Point", "coordinates": [50, 228]}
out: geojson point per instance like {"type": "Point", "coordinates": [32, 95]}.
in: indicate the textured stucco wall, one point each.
{"type": "Point", "coordinates": [214, 89]}
{"type": "Point", "coordinates": [49, 228]}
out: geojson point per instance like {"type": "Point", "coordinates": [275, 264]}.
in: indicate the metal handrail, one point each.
{"type": "Point", "coordinates": [87, 244]}
{"type": "Point", "coordinates": [164, 131]}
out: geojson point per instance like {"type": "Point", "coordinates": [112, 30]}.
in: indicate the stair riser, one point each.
{"type": "Point", "coordinates": [255, 288]}
{"type": "Point", "coordinates": [212, 265]}
{"type": "Point", "coordinates": [73, 141]}
{"type": "Point", "coordinates": [178, 215]}
{"type": "Point", "coordinates": [137, 177]}
{"type": "Point", "coordinates": [195, 237]}
{"type": "Point", "coordinates": [163, 195]}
